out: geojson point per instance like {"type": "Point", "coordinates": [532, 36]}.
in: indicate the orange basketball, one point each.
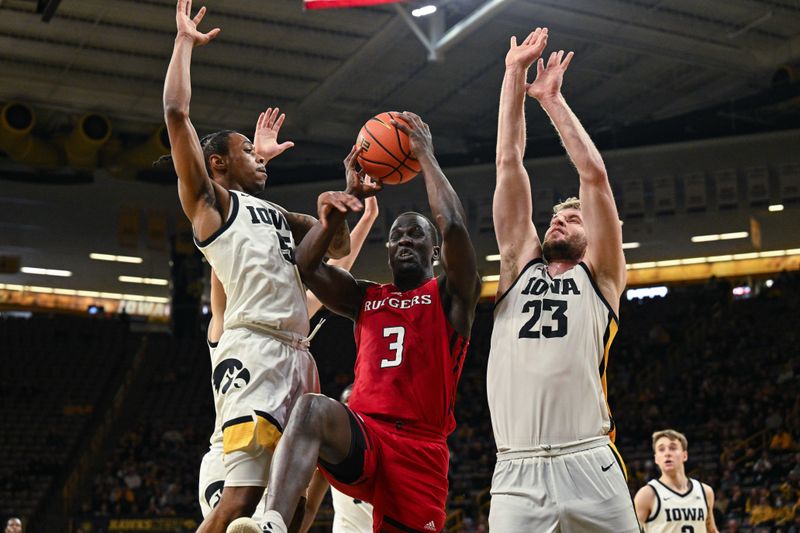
{"type": "Point", "coordinates": [385, 150]}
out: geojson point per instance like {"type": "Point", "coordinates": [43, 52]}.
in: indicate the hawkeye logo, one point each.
{"type": "Point", "coordinates": [213, 493]}
{"type": "Point", "coordinates": [230, 373]}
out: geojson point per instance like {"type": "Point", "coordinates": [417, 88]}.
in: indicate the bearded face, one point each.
{"type": "Point", "coordinates": [565, 239]}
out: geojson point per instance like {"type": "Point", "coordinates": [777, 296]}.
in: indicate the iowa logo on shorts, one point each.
{"type": "Point", "coordinates": [213, 493]}
{"type": "Point", "coordinates": [230, 373]}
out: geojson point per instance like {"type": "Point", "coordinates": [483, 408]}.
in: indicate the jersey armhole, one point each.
{"type": "Point", "coordinates": [516, 280]}
{"type": "Point", "coordinates": [597, 291]}
{"type": "Point", "coordinates": [367, 285]}
{"type": "Point", "coordinates": [658, 505]}
{"type": "Point", "coordinates": [705, 498]}
{"type": "Point", "coordinates": [233, 210]}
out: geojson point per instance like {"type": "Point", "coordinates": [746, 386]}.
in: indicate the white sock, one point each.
{"type": "Point", "coordinates": [272, 522]}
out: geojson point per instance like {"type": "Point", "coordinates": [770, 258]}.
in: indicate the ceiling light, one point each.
{"type": "Point", "coordinates": [630, 245]}
{"type": "Point", "coordinates": [424, 10]}
{"type": "Point", "coordinates": [718, 258]}
{"type": "Point", "coordinates": [82, 293]}
{"type": "Point", "coordinates": [144, 281]}
{"type": "Point", "coordinates": [693, 260]}
{"type": "Point", "coordinates": [705, 238]}
{"type": "Point", "coordinates": [734, 235]}
{"type": "Point", "coordinates": [775, 208]}
{"type": "Point", "coordinates": [118, 258]}
{"type": "Point", "coordinates": [493, 257]}
{"type": "Point", "coordinates": [493, 277]}
{"type": "Point", "coordinates": [46, 272]}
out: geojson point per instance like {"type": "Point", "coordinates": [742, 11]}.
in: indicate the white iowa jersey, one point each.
{"type": "Point", "coordinates": [546, 379]}
{"type": "Point", "coordinates": [253, 257]}
{"type": "Point", "coordinates": [350, 515]}
{"type": "Point", "coordinates": [678, 513]}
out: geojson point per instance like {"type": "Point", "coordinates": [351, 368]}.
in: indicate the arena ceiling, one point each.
{"type": "Point", "coordinates": [637, 62]}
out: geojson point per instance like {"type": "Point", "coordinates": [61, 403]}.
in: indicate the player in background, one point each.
{"type": "Point", "coordinates": [250, 245]}
{"type": "Point", "coordinates": [350, 515]}
{"type": "Point", "coordinates": [674, 503]}
{"type": "Point", "coordinates": [211, 479]}
{"type": "Point", "coordinates": [555, 318]}
{"type": "Point", "coordinates": [389, 446]}
{"type": "Point", "coordinates": [13, 525]}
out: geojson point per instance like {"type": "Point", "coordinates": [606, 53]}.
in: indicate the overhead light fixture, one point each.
{"type": "Point", "coordinates": [492, 277]}
{"type": "Point", "coordinates": [774, 208]}
{"type": "Point", "coordinates": [630, 245]}
{"type": "Point", "coordinates": [720, 236]}
{"type": "Point", "coordinates": [424, 10]}
{"type": "Point", "coordinates": [646, 292]}
{"type": "Point", "coordinates": [144, 281]}
{"type": "Point", "coordinates": [46, 272]}
{"type": "Point", "coordinates": [493, 257]}
{"type": "Point", "coordinates": [117, 258]}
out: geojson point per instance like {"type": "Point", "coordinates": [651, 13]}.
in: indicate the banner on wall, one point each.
{"type": "Point", "coordinates": [133, 525]}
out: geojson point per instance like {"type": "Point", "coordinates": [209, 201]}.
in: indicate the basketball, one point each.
{"type": "Point", "coordinates": [386, 151]}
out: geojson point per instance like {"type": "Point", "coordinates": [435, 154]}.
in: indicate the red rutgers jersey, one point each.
{"type": "Point", "coordinates": [409, 358]}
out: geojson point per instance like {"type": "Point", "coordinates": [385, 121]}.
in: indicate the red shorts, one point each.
{"type": "Point", "coordinates": [400, 472]}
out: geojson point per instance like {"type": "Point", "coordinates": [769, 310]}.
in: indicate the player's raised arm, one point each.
{"type": "Point", "coordinates": [463, 283]}
{"type": "Point", "coordinates": [512, 206]}
{"type": "Point", "coordinates": [357, 238]}
{"type": "Point", "coordinates": [336, 288]}
{"type": "Point", "coordinates": [198, 193]}
{"type": "Point", "coordinates": [601, 220]}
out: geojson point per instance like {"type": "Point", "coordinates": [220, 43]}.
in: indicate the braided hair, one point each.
{"type": "Point", "coordinates": [214, 143]}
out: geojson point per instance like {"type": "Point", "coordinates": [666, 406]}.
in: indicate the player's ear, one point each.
{"type": "Point", "coordinates": [216, 162]}
{"type": "Point", "coordinates": [436, 253]}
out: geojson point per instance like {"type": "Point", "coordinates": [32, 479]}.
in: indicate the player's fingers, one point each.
{"type": "Point", "coordinates": [274, 115]}
{"type": "Point", "coordinates": [559, 56]}
{"type": "Point", "coordinates": [279, 122]}
{"type": "Point", "coordinates": [260, 121]}
{"type": "Point", "coordinates": [539, 67]}
{"type": "Point", "coordinates": [532, 36]}
{"type": "Point", "coordinates": [200, 14]}
{"type": "Point", "coordinates": [402, 126]}
{"type": "Point", "coordinates": [551, 60]}
{"type": "Point", "coordinates": [187, 8]}
{"type": "Point", "coordinates": [513, 42]}
{"type": "Point", "coordinates": [213, 34]}
{"type": "Point", "coordinates": [567, 60]}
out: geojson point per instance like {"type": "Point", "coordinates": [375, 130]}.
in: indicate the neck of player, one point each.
{"type": "Point", "coordinates": [677, 481]}
{"type": "Point", "coordinates": [407, 281]}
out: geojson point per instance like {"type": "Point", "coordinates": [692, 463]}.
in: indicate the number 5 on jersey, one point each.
{"type": "Point", "coordinates": [398, 333]}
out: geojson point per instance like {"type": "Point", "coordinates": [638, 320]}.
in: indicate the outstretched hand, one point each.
{"type": "Point", "coordinates": [357, 183]}
{"type": "Point", "coordinates": [548, 79]}
{"type": "Point", "coordinates": [523, 55]}
{"type": "Point", "coordinates": [266, 137]}
{"type": "Point", "coordinates": [419, 134]}
{"type": "Point", "coordinates": [187, 26]}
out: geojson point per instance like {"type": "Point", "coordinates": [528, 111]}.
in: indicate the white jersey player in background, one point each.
{"type": "Point", "coordinates": [262, 364]}
{"type": "Point", "coordinates": [674, 503]}
{"type": "Point", "coordinates": [349, 515]}
{"type": "Point", "coordinates": [555, 318]}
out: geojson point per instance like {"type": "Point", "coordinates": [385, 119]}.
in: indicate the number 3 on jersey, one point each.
{"type": "Point", "coordinates": [398, 333]}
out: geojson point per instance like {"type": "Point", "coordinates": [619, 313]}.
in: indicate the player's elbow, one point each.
{"type": "Point", "coordinates": [175, 111]}
{"type": "Point", "coordinates": [507, 156]}
{"type": "Point", "coordinates": [594, 174]}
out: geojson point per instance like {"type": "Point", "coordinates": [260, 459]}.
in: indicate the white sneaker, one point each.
{"type": "Point", "coordinates": [244, 525]}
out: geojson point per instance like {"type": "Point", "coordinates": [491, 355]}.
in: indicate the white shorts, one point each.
{"type": "Point", "coordinates": [256, 380]}
{"type": "Point", "coordinates": [350, 515]}
{"type": "Point", "coordinates": [212, 481]}
{"type": "Point", "coordinates": [582, 491]}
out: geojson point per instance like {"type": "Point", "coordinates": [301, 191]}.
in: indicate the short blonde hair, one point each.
{"type": "Point", "coordinates": [671, 434]}
{"type": "Point", "coordinates": [569, 203]}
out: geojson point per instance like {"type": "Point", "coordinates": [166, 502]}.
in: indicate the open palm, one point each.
{"type": "Point", "coordinates": [523, 55]}
{"type": "Point", "coordinates": [187, 26]}
{"type": "Point", "coordinates": [548, 79]}
{"type": "Point", "coordinates": [266, 138]}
